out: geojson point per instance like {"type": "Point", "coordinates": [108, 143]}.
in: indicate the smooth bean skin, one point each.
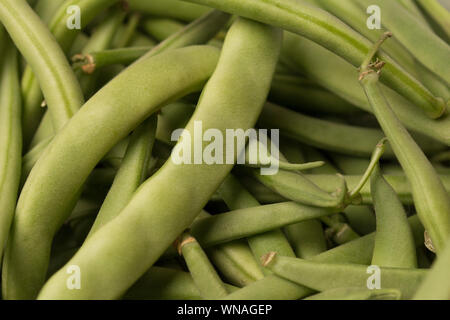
{"type": "Point", "coordinates": [10, 138]}
{"type": "Point", "coordinates": [61, 89]}
{"type": "Point", "coordinates": [246, 222]}
{"type": "Point", "coordinates": [52, 188]}
{"type": "Point", "coordinates": [126, 243]}
{"type": "Point", "coordinates": [325, 276]}
{"type": "Point", "coordinates": [236, 262]}
{"type": "Point", "coordinates": [394, 242]}
{"type": "Point", "coordinates": [131, 174]}
{"type": "Point", "coordinates": [338, 76]}
{"type": "Point", "coordinates": [431, 200]}
{"type": "Point", "coordinates": [351, 140]}
{"type": "Point", "coordinates": [318, 25]}
{"type": "Point", "coordinates": [203, 273]}
{"type": "Point", "coordinates": [161, 28]}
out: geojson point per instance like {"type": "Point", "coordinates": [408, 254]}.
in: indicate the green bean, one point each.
{"type": "Point", "coordinates": [439, 14]}
{"type": "Point", "coordinates": [46, 58]}
{"type": "Point", "coordinates": [357, 293]}
{"type": "Point", "coordinates": [237, 197]}
{"type": "Point", "coordinates": [351, 140]}
{"type": "Point", "coordinates": [400, 183]}
{"type": "Point", "coordinates": [44, 131]}
{"type": "Point", "coordinates": [295, 186]}
{"type": "Point", "coordinates": [338, 76]}
{"type": "Point", "coordinates": [394, 243]}
{"type": "Point", "coordinates": [131, 174]}
{"type": "Point", "coordinates": [436, 285]}
{"type": "Point", "coordinates": [433, 51]}
{"type": "Point", "coordinates": [246, 43]}
{"type": "Point", "coordinates": [291, 91]}
{"type": "Point", "coordinates": [47, 8]}
{"type": "Point", "coordinates": [141, 40]}
{"type": "Point", "coordinates": [325, 276]}
{"type": "Point", "coordinates": [358, 251]}
{"type": "Point", "coordinates": [161, 29]}
{"type": "Point", "coordinates": [412, 7]}
{"type": "Point", "coordinates": [10, 138]}
{"type": "Point", "coordinates": [125, 34]}
{"type": "Point", "coordinates": [259, 191]}
{"type": "Point", "coordinates": [246, 222]}
{"type": "Point", "coordinates": [349, 164]}
{"type": "Point", "coordinates": [432, 82]}
{"type": "Point", "coordinates": [306, 238]}
{"type": "Point", "coordinates": [205, 277]}
{"type": "Point", "coordinates": [431, 200]}
{"type": "Point", "coordinates": [361, 219]}
{"type": "Point", "coordinates": [175, 9]}
{"type": "Point", "coordinates": [80, 146]}
{"type": "Point", "coordinates": [325, 29]}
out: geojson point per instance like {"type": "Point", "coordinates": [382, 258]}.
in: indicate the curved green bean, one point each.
{"type": "Point", "coordinates": [51, 189]}
{"type": "Point", "coordinates": [205, 277]}
{"type": "Point", "coordinates": [246, 43]}
{"type": "Point", "coordinates": [394, 242]}
{"type": "Point", "coordinates": [10, 138]}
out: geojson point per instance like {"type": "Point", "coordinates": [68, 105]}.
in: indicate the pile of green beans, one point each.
{"type": "Point", "coordinates": [99, 100]}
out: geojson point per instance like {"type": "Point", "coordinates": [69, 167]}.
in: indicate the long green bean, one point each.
{"type": "Point", "coordinates": [81, 145]}
{"type": "Point", "coordinates": [318, 25]}
{"type": "Point", "coordinates": [10, 138]}
{"type": "Point", "coordinates": [245, 42]}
